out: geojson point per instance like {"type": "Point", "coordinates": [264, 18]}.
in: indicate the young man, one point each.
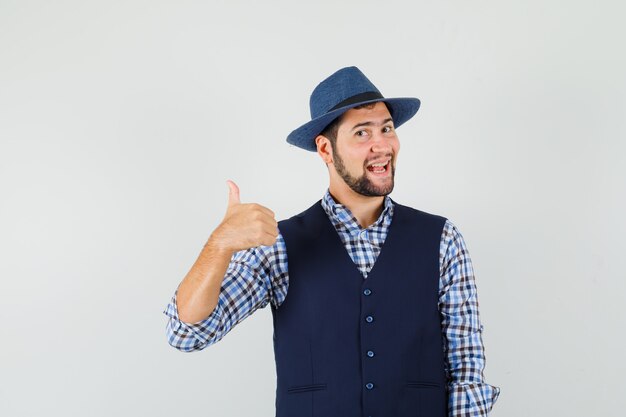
{"type": "Point", "coordinates": [374, 303]}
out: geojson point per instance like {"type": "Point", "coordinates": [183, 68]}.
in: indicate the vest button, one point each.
{"type": "Point", "coordinates": [370, 353]}
{"type": "Point", "coordinates": [369, 319]}
{"type": "Point", "coordinates": [369, 385]}
{"type": "Point", "coordinates": [367, 291]}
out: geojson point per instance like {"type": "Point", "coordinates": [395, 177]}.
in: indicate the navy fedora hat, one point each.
{"type": "Point", "coordinates": [343, 90]}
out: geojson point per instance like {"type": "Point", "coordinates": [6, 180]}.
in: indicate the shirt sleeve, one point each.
{"type": "Point", "coordinates": [469, 395]}
{"type": "Point", "coordinates": [254, 277]}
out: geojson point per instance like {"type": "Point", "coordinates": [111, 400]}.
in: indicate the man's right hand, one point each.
{"type": "Point", "coordinates": [245, 225]}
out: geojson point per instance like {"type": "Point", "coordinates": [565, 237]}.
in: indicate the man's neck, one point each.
{"type": "Point", "coordinates": [365, 210]}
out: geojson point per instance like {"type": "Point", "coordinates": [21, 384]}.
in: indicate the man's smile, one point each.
{"type": "Point", "coordinates": [380, 168]}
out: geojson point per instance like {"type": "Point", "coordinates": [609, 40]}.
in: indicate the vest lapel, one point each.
{"type": "Point", "coordinates": [327, 229]}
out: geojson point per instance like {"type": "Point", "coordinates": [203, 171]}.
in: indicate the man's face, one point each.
{"type": "Point", "coordinates": [365, 151]}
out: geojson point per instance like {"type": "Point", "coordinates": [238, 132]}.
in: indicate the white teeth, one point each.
{"type": "Point", "coordinates": [382, 164]}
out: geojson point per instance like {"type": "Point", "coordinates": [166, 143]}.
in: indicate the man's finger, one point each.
{"type": "Point", "coordinates": [267, 211]}
{"type": "Point", "coordinates": [233, 194]}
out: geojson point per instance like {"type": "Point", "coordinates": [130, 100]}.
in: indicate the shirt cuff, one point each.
{"type": "Point", "coordinates": [204, 331]}
{"type": "Point", "coordinates": [472, 400]}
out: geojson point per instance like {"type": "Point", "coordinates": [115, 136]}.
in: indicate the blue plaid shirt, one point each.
{"type": "Point", "coordinates": [258, 276]}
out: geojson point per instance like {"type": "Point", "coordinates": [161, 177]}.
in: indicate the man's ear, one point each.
{"type": "Point", "coordinates": [324, 149]}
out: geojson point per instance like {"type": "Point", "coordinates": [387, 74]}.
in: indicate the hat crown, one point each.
{"type": "Point", "coordinates": [338, 87]}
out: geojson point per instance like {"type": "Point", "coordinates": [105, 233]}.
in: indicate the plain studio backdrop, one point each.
{"type": "Point", "coordinates": [121, 121]}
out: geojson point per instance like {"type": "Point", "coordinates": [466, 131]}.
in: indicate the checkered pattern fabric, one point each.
{"type": "Point", "coordinates": [258, 276]}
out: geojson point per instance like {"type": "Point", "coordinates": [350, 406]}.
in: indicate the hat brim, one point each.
{"type": "Point", "coordinates": [402, 109]}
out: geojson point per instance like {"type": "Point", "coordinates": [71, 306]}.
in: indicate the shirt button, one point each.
{"type": "Point", "coordinates": [369, 319]}
{"type": "Point", "coordinates": [367, 291]}
{"type": "Point", "coordinates": [370, 353]}
{"type": "Point", "coordinates": [369, 385]}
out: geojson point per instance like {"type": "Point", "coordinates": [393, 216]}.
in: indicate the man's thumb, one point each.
{"type": "Point", "coordinates": [233, 195]}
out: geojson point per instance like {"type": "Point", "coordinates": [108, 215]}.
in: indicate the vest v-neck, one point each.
{"type": "Point", "coordinates": [329, 229]}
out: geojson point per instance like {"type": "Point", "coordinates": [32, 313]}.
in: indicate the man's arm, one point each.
{"type": "Point", "coordinates": [197, 318]}
{"type": "Point", "coordinates": [244, 226]}
{"type": "Point", "coordinates": [469, 395]}
{"type": "Point", "coordinates": [254, 277]}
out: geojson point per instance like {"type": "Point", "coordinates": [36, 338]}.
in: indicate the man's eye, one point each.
{"type": "Point", "coordinates": [361, 133]}
{"type": "Point", "coordinates": [387, 129]}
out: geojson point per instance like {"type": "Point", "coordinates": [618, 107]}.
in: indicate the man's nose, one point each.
{"type": "Point", "coordinates": [381, 144]}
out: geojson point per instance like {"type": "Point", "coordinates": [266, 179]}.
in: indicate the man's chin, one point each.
{"type": "Point", "coordinates": [372, 190]}
{"type": "Point", "coordinates": [381, 186]}
{"type": "Point", "coordinates": [368, 185]}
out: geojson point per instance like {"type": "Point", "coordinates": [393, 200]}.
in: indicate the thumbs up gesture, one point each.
{"type": "Point", "coordinates": [245, 225]}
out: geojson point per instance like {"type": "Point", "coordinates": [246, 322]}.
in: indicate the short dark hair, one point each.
{"type": "Point", "coordinates": [330, 131]}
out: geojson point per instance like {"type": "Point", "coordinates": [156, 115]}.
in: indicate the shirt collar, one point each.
{"type": "Point", "coordinates": [341, 216]}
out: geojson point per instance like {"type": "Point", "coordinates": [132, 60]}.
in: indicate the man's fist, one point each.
{"type": "Point", "coordinates": [244, 225]}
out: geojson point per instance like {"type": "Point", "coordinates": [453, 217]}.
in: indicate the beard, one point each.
{"type": "Point", "coordinates": [363, 185]}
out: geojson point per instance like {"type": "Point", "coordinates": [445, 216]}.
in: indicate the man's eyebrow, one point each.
{"type": "Point", "coordinates": [370, 123]}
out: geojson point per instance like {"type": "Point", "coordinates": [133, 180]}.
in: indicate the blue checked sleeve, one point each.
{"type": "Point", "coordinates": [469, 395]}
{"type": "Point", "coordinates": [254, 278]}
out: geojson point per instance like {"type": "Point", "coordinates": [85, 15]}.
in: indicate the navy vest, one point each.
{"type": "Point", "coordinates": [346, 346]}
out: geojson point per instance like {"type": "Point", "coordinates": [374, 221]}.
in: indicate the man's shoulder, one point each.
{"type": "Point", "coordinates": [417, 213]}
{"type": "Point", "coordinates": [307, 221]}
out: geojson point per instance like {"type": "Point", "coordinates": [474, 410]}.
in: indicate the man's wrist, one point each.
{"type": "Point", "coordinates": [217, 246]}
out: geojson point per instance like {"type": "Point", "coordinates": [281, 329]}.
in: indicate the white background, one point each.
{"type": "Point", "coordinates": [121, 121]}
